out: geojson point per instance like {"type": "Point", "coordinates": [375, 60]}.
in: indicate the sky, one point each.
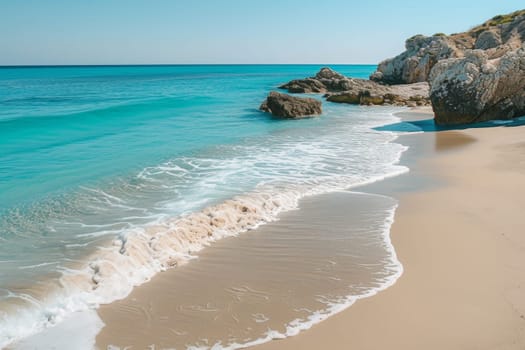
{"type": "Point", "coordinates": [57, 32]}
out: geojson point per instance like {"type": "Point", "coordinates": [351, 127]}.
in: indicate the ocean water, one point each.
{"type": "Point", "coordinates": [109, 175]}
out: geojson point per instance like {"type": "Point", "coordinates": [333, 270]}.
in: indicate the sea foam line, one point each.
{"type": "Point", "coordinates": [134, 258]}
{"type": "Point", "coordinates": [113, 271]}
{"type": "Point", "coordinates": [299, 325]}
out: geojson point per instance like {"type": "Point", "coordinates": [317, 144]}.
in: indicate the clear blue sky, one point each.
{"type": "Point", "coordinates": [226, 31]}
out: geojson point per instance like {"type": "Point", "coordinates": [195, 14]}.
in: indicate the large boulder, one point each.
{"type": "Point", "coordinates": [476, 88]}
{"type": "Point", "coordinates": [286, 106]}
{"type": "Point", "coordinates": [414, 64]}
{"type": "Point", "coordinates": [488, 39]}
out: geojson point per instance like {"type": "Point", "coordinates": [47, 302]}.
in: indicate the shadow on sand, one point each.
{"type": "Point", "coordinates": [428, 125]}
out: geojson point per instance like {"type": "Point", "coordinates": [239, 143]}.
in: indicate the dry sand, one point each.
{"type": "Point", "coordinates": [462, 244]}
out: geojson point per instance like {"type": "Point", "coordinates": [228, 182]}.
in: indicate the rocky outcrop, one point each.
{"type": "Point", "coordinates": [497, 36]}
{"type": "Point", "coordinates": [328, 74]}
{"type": "Point", "coordinates": [364, 92]}
{"type": "Point", "coordinates": [325, 80]}
{"type": "Point", "coordinates": [304, 86]}
{"type": "Point", "coordinates": [476, 88]}
{"type": "Point", "coordinates": [474, 76]}
{"type": "Point", "coordinates": [341, 89]}
{"type": "Point", "coordinates": [286, 106]}
{"type": "Point", "coordinates": [414, 65]}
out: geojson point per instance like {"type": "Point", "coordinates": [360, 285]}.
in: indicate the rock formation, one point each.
{"type": "Point", "coordinates": [474, 76]}
{"type": "Point", "coordinates": [497, 36]}
{"type": "Point", "coordinates": [364, 92]}
{"type": "Point", "coordinates": [341, 89]}
{"type": "Point", "coordinates": [476, 88]}
{"type": "Point", "coordinates": [286, 106]}
{"type": "Point", "coordinates": [414, 65]}
{"type": "Point", "coordinates": [304, 86]}
{"type": "Point", "coordinates": [324, 81]}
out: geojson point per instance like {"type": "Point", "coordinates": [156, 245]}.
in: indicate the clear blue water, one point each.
{"type": "Point", "coordinates": [65, 127]}
{"type": "Point", "coordinates": [88, 154]}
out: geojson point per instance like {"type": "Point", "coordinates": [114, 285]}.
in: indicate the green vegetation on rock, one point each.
{"type": "Point", "coordinates": [497, 20]}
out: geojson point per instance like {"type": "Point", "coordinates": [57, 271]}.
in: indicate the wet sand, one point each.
{"type": "Point", "coordinates": [462, 244]}
{"type": "Point", "coordinates": [303, 267]}
{"type": "Point", "coordinates": [458, 233]}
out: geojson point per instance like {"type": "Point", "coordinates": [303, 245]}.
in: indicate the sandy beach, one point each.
{"type": "Point", "coordinates": [264, 279]}
{"type": "Point", "coordinates": [462, 246]}
{"type": "Point", "coordinates": [457, 232]}
{"type": "Point", "coordinates": [340, 175]}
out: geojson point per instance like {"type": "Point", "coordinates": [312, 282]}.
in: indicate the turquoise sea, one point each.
{"type": "Point", "coordinates": [94, 159]}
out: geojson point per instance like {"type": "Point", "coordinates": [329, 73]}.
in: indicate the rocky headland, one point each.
{"type": "Point", "coordinates": [474, 76]}
{"type": "Point", "coordinates": [468, 77]}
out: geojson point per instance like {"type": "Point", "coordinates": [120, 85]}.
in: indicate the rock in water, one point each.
{"type": "Point", "coordinates": [365, 92]}
{"type": "Point", "coordinates": [286, 106]}
{"type": "Point", "coordinates": [341, 89]}
{"type": "Point", "coordinates": [327, 73]}
{"type": "Point", "coordinates": [304, 86]}
{"type": "Point", "coordinates": [476, 89]}
{"type": "Point", "coordinates": [324, 81]}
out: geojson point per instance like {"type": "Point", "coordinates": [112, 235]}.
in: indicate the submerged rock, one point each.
{"type": "Point", "coordinates": [286, 106]}
{"type": "Point", "coordinates": [476, 88]}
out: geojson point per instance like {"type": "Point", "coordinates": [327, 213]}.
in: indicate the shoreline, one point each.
{"type": "Point", "coordinates": [439, 166]}
{"type": "Point", "coordinates": [459, 240]}
{"type": "Point", "coordinates": [234, 262]}
{"type": "Point", "coordinates": [116, 315]}
{"type": "Point", "coordinates": [149, 295]}
{"type": "Point", "coordinates": [37, 338]}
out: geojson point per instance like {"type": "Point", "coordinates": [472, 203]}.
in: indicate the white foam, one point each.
{"type": "Point", "coordinates": [140, 252]}
{"type": "Point", "coordinates": [38, 265]}
{"type": "Point", "coordinates": [81, 329]}
{"type": "Point", "coordinates": [333, 307]}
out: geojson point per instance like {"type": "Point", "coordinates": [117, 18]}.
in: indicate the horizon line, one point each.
{"type": "Point", "coordinates": [179, 64]}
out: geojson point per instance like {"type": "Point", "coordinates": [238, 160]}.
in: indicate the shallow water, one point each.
{"type": "Point", "coordinates": [109, 175]}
